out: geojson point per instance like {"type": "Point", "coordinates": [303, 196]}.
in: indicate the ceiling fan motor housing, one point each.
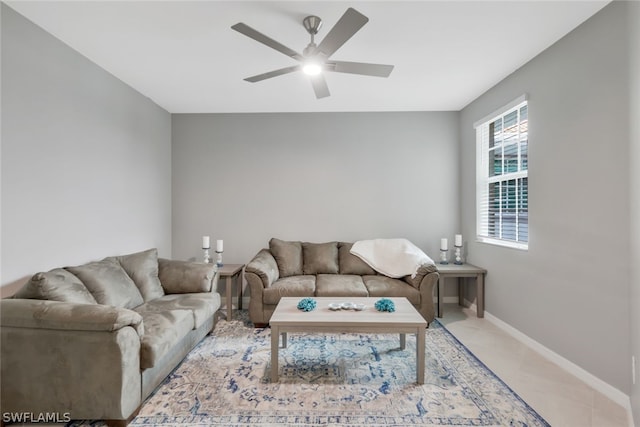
{"type": "Point", "coordinates": [312, 24]}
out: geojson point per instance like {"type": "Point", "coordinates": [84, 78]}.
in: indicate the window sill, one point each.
{"type": "Point", "coordinates": [504, 243]}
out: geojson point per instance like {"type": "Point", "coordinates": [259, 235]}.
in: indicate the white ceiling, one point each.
{"type": "Point", "coordinates": [184, 56]}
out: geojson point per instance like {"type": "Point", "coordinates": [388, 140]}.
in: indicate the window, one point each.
{"type": "Point", "coordinates": [502, 179]}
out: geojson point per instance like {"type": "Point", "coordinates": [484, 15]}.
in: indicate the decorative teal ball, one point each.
{"type": "Point", "coordinates": [307, 304]}
{"type": "Point", "coordinates": [385, 304]}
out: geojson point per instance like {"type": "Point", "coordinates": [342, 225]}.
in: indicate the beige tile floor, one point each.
{"type": "Point", "coordinates": [560, 398]}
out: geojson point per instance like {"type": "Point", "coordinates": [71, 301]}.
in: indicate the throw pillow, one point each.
{"type": "Point", "coordinates": [288, 256]}
{"type": "Point", "coordinates": [108, 283]}
{"type": "Point", "coordinates": [142, 267]}
{"type": "Point", "coordinates": [351, 264]}
{"type": "Point", "coordinates": [320, 258]}
{"type": "Point", "coordinates": [56, 285]}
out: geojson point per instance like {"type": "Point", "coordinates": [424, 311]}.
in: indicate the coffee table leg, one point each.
{"type": "Point", "coordinates": [403, 341]}
{"type": "Point", "coordinates": [420, 342]}
{"type": "Point", "coordinates": [275, 335]}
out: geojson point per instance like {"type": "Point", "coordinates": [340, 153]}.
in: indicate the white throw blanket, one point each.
{"type": "Point", "coordinates": [391, 257]}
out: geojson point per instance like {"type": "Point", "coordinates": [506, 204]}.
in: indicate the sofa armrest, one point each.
{"type": "Point", "coordinates": [181, 277]}
{"type": "Point", "coordinates": [82, 360]}
{"type": "Point", "coordinates": [264, 266]}
{"type": "Point", "coordinates": [426, 281]}
{"type": "Point", "coordinates": [423, 270]}
{"type": "Point", "coordinates": [56, 315]}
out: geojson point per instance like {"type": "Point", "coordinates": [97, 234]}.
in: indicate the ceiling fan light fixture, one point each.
{"type": "Point", "coordinates": [315, 60]}
{"type": "Point", "coordinates": [312, 68]}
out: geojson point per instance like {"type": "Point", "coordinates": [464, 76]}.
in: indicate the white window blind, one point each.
{"type": "Point", "coordinates": [502, 179]}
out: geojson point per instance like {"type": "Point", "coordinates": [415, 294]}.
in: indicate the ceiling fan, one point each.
{"type": "Point", "coordinates": [314, 59]}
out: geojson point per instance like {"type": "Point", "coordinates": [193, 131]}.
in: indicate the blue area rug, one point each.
{"type": "Point", "coordinates": [337, 379]}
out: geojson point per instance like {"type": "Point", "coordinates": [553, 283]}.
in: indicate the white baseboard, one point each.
{"type": "Point", "coordinates": [608, 390]}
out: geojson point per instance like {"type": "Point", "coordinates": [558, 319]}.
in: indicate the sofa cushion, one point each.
{"type": "Point", "coordinates": [162, 331]}
{"type": "Point", "coordinates": [292, 286]}
{"type": "Point", "coordinates": [340, 285]}
{"type": "Point", "coordinates": [320, 258]}
{"type": "Point", "coordinates": [351, 264]}
{"type": "Point", "coordinates": [288, 256]}
{"type": "Point", "coordinates": [108, 283]}
{"type": "Point", "coordinates": [383, 286]}
{"type": "Point", "coordinates": [202, 305]}
{"type": "Point", "coordinates": [142, 267]}
{"type": "Point", "coordinates": [56, 285]}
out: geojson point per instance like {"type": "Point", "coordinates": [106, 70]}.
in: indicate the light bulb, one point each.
{"type": "Point", "coordinates": [312, 68]}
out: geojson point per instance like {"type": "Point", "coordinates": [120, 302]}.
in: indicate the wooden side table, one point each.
{"type": "Point", "coordinates": [231, 273]}
{"type": "Point", "coordinates": [461, 272]}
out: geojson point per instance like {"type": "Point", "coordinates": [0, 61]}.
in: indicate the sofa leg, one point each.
{"type": "Point", "coordinates": [260, 325]}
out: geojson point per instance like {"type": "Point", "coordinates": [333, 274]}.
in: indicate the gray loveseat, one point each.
{"type": "Point", "coordinates": [303, 269]}
{"type": "Point", "coordinates": [93, 341]}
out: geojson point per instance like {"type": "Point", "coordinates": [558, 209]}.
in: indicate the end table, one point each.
{"type": "Point", "coordinates": [461, 271]}
{"type": "Point", "coordinates": [232, 272]}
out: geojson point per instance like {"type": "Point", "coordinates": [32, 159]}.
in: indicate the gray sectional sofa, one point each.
{"type": "Point", "coordinates": [303, 269]}
{"type": "Point", "coordinates": [93, 341]}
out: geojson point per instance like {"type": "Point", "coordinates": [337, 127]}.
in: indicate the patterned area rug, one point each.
{"type": "Point", "coordinates": [339, 379]}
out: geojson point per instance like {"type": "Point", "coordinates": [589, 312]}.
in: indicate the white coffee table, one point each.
{"type": "Point", "coordinates": [405, 320]}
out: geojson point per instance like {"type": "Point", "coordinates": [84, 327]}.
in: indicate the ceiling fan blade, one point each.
{"type": "Point", "coordinates": [345, 28]}
{"type": "Point", "coordinates": [319, 86]}
{"type": "Point", "coordinates": [274, 73]}
{"type": "Point", "coordinates": [265, 40]}
{"type": "Point", "coordinates": [376, 70]}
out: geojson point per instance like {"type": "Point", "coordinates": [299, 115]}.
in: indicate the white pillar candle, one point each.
{"type": "Point", "coordinates": [219, 245]}
{"type": "Point", "coordinates": [205, 242]}
{"type": "Point", "coordinates": [444, 244]}
{"type": "Point", "coordinates": [458, 241]}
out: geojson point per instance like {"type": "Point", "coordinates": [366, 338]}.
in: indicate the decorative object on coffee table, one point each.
{"type": "Point", "coordinates": [307, 304]}
{"type": "Point", "coordinates": [385, 304]}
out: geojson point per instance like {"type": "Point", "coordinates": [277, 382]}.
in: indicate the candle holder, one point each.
{"type": "Point", "coordinates": [444, 256]}
{"type": "Point", "coordinates": [458, 255]}
{"type": "Point", "coordinates": [219, 259]}
{"type": "Point", "coordinates": [206, 257]}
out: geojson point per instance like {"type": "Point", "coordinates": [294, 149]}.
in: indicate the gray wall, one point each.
{"type": "Point", "coordinates": [570, 290]}
{"type": "Point", "coordinates": [86, 160]}
{"type": "Point", "coordinates": [245, 178]}
{"type": "Point", "coordinates": [634, 115]}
